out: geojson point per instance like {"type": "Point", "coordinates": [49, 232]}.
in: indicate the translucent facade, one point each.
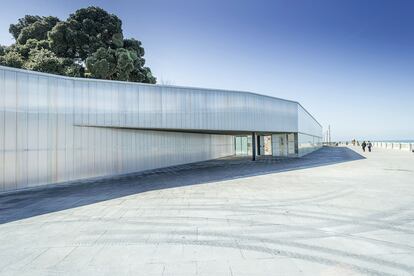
{"type": "Point", "coordinates": [57, 129]}
{"type": "Point", "coordinates": [309, 135]}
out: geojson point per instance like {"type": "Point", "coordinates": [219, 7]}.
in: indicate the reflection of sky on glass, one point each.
{"type": "Point", "coordinates": [350, 63]}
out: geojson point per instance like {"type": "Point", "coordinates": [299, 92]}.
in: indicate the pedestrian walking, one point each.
{"type": "Point", "coordinates": [363, 145]}
{"type": "Point", "coordinates": [369, 146]}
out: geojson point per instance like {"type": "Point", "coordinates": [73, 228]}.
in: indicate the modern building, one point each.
{"type": "Point", "coordinates": [56, 129]}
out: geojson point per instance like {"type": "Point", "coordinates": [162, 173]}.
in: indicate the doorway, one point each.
{"type": "Point", "coordinates": [265, 144]}
{"type": "Point", "coordinates": [243, 145]}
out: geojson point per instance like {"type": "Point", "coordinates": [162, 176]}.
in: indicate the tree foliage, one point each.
{"type": "Point", "coordinates": [12, 59]}
{"type": "Point", "coordinates": [90, 43]}
{"type": "Point", "coordinates": [2, 50]}
{"type": "Point", "coordinates": [46, 61]}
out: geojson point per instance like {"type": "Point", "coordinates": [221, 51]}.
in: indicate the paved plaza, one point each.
{"type": "Point", "coordinates": [336, 211]}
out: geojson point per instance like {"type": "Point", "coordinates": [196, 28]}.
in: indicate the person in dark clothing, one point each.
{"type": "Point", "coordinates": [363, 146]}
{"type": "Point", "coordinates": [369, 146]}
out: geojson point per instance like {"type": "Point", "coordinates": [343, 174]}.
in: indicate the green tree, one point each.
{"type": "Point", "coordinates": [84, 32]}
{"type": "Point", "coordinates": [89, 43]}
{"type": "Point", "coordinates": [24, 49]}
{"type": "Point", "coordinates": [36, 30]}
{"type": "Point", "coordinates": [12, 59]}
{"type": "Point", "coordinates": [15, 29]}
{"type": "Point", "coordinates": [125, 63]}
{"type": "Point", "coordinates": [102, 63]}
{"type": "Point", "coordinates": [44, 60]}
{"type": "Point", "coordinates": [2, 50]}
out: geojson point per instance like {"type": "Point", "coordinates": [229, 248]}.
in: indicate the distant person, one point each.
{"type": "Point", "coordinates": [363, 145]}
{"type": "Point", "coordinates": [369, 146]}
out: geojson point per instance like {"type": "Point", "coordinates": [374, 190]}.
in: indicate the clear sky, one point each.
{"type": "Point", "coordinates": [350, 63]}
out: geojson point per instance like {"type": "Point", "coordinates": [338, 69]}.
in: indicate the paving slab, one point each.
{"type": "Point", "coordinates": [337, 211]}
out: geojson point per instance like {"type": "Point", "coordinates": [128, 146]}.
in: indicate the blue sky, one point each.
{"type": "Point", "coordinates": [350, 63]}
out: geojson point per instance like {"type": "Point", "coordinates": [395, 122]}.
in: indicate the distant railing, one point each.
{"type": "Point", "coordinates": [404, 146]}
{"type": "Point", "coordinates": [330, 144]}
{"type": "Point", "coordinates": [394, 145]}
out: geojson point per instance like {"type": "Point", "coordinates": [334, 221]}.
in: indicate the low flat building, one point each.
{"type": "Point", "coordinates": [56, 129]}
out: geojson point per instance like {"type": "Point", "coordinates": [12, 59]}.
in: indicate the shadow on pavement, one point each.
{"type": "Point", "coordinates": [30, 203]}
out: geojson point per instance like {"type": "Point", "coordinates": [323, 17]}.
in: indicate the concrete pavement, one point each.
{"type": "Point", "coordinates": [334, 212]}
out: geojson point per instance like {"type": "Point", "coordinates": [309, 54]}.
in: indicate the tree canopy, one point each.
{"type": "Point", "coordinates": [89, 43]}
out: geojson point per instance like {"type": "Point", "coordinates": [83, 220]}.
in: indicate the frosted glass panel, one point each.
{"type": "Point", "coordinates": [56, 129]}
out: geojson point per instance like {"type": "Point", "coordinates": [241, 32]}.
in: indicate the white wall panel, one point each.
{"type": "Point", "coordinates": [308, 143]}
{"type": "Point", "coordinates": [307, 124]}
{"type": "Point", "coordinates": [310, 133]}
{"type": "Point", "coordinates": [10, 139]}
{"type": "Point", "coordinates": [2, 128]}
